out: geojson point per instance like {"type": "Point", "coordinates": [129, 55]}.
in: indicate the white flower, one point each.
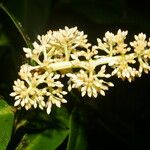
{"type": "Point", "coordinates": [109, 37]}
{"type": "Point", "coordinates": [139, 44]}
{"type": "Point", "coordinates": [38, 90]}
{"type": "Point", "coordinates": [28, 96]}
{"type": "Point", "coordinates": [120, 36]}
{"type": "Point", "coordinates": [57, 46]}
{"type": "Point", "coordinates": [123, 69]}
{"type": "Point", "coordinates": [144, 65]}
{"type": "Point", "coordinates": [67, 52]}
{"type": "Point", "coordinates": [113, 44]}
{"type": "Point", "coordinates": [90, 84]}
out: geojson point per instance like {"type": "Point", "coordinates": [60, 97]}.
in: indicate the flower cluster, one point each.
{"type": "Point", "coordinates": [67, 53]}
{"type": "Point", "coordinates": [115, 47]}
{"type": "Point", "coordinates": [38, 89]}
{"type": "Point", "coordinates": [141, 50]}
{"type": "Point", "coordinates": [113, 44]}
{"type": "Point", "coordinates": [89, 82]}
{"type": "Point", "coordinates": [38, 85]}
{"type": "Point", "coordinates": [56, 46]}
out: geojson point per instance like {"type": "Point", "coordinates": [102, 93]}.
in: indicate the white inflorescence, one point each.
{"type": "Point", "coordinates": [38, 90]}
{"type": "Point", "coordinates": [89, 83]}
{"type": "Point", "coordinates": [57, 53]}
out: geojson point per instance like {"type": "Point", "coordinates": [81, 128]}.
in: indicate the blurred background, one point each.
{"type": "Point", "coordinates": [119, 120]}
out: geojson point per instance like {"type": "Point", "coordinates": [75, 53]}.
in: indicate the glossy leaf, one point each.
{"type": "Point", "coordinates": [77, 137]}
{"type": "Point", "coordinates": [61, 116]}
{"type": "Point", "coordinates": [47, 140]}
{"type": "Point", "coordinates": [6, 124]}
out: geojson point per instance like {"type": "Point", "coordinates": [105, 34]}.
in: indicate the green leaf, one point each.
{"type": "Point", "coordinates": [47, 140]}
{"type": "Point", "coordinates": [6, 124]}
{"type": "Point", "coordinates": [18, 26]}
{"type": "Point", "coordinates": [61, 116]}
{"type": "Point", "coordinates": [77, 139]}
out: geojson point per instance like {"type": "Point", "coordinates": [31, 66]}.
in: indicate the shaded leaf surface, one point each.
{"type": "Point", "coordinates": [77, 138]}
{"type": "Point", "coordinates": [47, 140]}
{"type": "Point", "coordinates": [6, 124]}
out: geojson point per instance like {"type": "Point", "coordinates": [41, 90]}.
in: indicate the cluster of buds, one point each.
{"type": "Point", "coordinates": [67, 53]}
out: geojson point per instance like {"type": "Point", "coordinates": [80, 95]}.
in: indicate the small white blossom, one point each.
{"type": "Point", "coordinates": [90, 84]}
{"type": "Point", "coordinates": [123, 69]}
{"type": "Point", "coordinates": [109, 37]}
{"type": "Point", "coordinates": [34, 87]}
{"type": "Point", "coordinates": [120, 36]}
{"type": "Point", "coordinates": [140, 43]}
{"type": "Point", "coordinates": [113, 44]}
{"type": "Point", "coordinates": [57, 53]}
{"type": "Point", "coordinates": [57, 46]}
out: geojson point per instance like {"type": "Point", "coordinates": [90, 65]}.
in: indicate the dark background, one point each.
{"type": "Point", "coordinates": [119, 120]}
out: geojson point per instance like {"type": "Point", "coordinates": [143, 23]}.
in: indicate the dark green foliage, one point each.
{"type": "Point", "coordinates": [6, 124]}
